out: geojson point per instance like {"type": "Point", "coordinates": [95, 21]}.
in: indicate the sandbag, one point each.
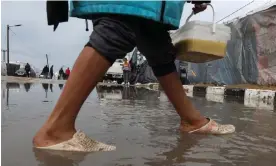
{"type": "Point", "coordinates": [200, 41]}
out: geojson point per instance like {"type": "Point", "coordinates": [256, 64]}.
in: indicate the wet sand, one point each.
{"type": "Point", "coordinates": [141, 123]}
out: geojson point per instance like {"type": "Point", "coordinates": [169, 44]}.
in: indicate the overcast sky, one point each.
{"type": "Point", "coordinates": [34, 39]}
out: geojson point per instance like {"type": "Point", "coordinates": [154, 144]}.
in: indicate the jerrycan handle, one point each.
{"type": "Point", "coordinates": [214, 24]}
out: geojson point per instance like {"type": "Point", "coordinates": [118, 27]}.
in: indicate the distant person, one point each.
{"type": "Point", "coordinates": [45, 71]}
{"type": "Point", "coordinates": [52, 71]}
{"type": "Point", "coordinates": [126, 71]}
{"type": "Point", "coordinates": [61, 74]}
{"type": "Point", "coordinates": [67, 72]}
{"type": "Point", "coordinates": [28, 69]}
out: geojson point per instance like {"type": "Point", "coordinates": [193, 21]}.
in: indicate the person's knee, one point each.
{"type": "Point", "coordinates": [163, 69]}
{"type": "Point", "coordinates": [108, 58]}
{"type": "Point", "coordinates": [162, 60]}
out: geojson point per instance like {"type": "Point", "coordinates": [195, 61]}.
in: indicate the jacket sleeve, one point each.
{"type": "Point", "coordinates": [57, 12]}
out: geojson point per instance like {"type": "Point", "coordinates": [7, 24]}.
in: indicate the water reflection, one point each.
{"type": "Point", "coordinates": [51, 87]}
{"type": "Point", "coordinates": [60, 86]}
{"type": "Point", "coordinates": [11, 86]}
{"type": "Point", "coordinates": [27, 86]}
{"type": "Point", "coordinates": [16, 87]}
{"type": "Point", "coordinates": [45, 87]}
{"type": "Point", "coordinates": [51, 158]}
{"type": "Point", "coordinates": [3, 93]}
{"type": "Point", "coordinates": [176, 154]}
{"type": "Point", "coordinates": [142, 124]}
{"type": "Point", "coordinates": [127, 93]}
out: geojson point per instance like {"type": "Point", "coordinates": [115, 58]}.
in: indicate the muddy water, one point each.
{"type": "Point", "coordinates": [141, 123]}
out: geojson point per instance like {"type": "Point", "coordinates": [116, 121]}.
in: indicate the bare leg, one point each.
{"type": "Point", "coordinates": [184, 107]}
{"type": "Point", "coordinates": [60, 126]}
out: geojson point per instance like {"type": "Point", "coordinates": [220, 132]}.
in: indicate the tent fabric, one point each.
{"type": "Point", "coordinates": [141, 72]}
{"type": "Point", "coordinates": [250, 56]}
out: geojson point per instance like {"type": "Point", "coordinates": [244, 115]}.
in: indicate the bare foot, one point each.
{"type": "Point", "coordinates": [187, 127]}
{"type": "Point", "coordinates": [47, 138]}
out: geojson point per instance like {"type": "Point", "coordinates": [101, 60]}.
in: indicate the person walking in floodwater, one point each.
{"type": "Point", "coordinates": [126, 71]}
{"type": "Point", "coordinates": [118, 28]}
{"type": "Point", "coordinates": [28, 69]}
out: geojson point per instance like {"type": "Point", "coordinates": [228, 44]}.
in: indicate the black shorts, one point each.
{"type": "Point", "coordinates": [114, 36]}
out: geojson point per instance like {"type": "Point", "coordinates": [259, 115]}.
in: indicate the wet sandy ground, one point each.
{"type": "Point", "coordinates": [141, 123]}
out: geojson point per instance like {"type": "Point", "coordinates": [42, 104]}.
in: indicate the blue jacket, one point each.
{"type": "Point", "coordinates": [167, 12]}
